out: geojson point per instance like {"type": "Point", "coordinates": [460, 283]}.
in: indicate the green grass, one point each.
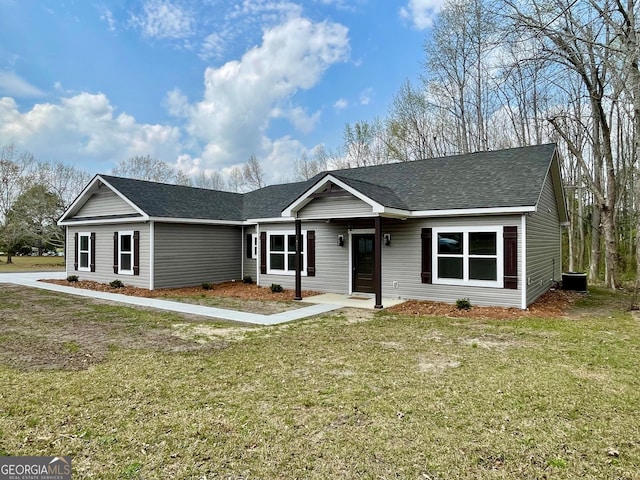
{"type": "Point", "coordinates": [391, 397]}
{"type": "Point", "coordinates": [26, 264]}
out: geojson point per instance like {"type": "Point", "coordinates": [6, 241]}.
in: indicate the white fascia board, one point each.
{"type": "Point", "coordinates": [256, 221]}
{"type": "Point", "coordinates": [473, 211]}
{"type": "Point", "coordinates": [200, 221]}
{"type": "Point", "coordinates": [304, 199]}
{"type": "Point", "coordinates": [103, 221]}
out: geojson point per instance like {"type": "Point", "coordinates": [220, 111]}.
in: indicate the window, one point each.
{"type": "Point", "coordinates": [84, 252]}
{"type": "Point", "coordinates": [254, 248]}
{"type": "Point", "coordinates": [281, 254]}
{"type": "Point", "coordinates": [468, 256]}
{"type": "Point", "coordinates": [125, 253]}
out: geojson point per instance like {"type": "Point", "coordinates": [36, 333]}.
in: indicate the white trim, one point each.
{"type": "Point", "coordinates": [355, 231]}
{"type": "Point", "coordinates": [304, 199]}
{"type": "Point", "coordinates": [258, 270]}
{"type": "Point", "coordinates": [196, 221]}
{"type": "Point", "coordinates": [121, 271]}
{"type": "Point", "coordinates": [524, 282]}
{"type": "Point", "coordinates": [109, 221]}
{"type": "Point", "coordinates": [152, 252]}
{"type": "Point", "coordinates": [471, 211]}
{"type": "Point", "coordinates": [88, 267]}
{"type": "Point", "coordinates": [465, 281]}
{"type": "Point", "coordinates": [256, 221]}
{"type": "Point", "coordinates": [286, 253]}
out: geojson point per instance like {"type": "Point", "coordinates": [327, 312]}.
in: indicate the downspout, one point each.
{"type": "Point", "coordinates": [242, 252]}
{"type": "Point", "coordinates": [152, 254]}
{"type": "Point", "coordinates": [259, 253]}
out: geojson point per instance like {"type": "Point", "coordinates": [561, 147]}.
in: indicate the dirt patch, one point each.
{"type": "Point", "coordinates": [554, 303]}
{"type": "Point", "coordinates": [436, 364]}
{"type": "Point", "coordinates": [41, 330]}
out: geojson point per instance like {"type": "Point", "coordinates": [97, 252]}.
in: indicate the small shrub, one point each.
{"type": "Point", "coordinates": [463, 304]}
{"type": "Point", "coordinates": [276, 288]}
{"type": "Point", "coordinates": [207, 286]}
{"type": "Point", "coordinates": [72, 278]}
{"type": "Point", "coordinates": [116, 284]}
{"type": "Point", "coordinates": [247, 279]}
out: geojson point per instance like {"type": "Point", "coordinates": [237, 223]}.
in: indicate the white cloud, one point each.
{"type": "Point", "coordinates": [242, 96]}
{"type": "Point", "coordinates": [341, 104]}
{"type": "Point", "coordinates": [108, 17]}
{"type": "Point", "coordinates": [84, 127]}
{"type": "Point", "coordinates": [11, 84]}
{"type": "Point", "coordinates": [421, 13]}
{"type": "Point", "coordinates": [164, 19]}
{"type": "Point", "coordinates": [365, 96]}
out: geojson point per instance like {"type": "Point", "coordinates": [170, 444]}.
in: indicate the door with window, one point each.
{"type": "Point", "coordinates": [363, 263]}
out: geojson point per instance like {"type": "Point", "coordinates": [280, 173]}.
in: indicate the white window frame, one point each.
{"type": "Point", "coordinates": [286, 233]}
{"type": "Point", "coordinates": [254, 246]}
{"type": "Point", "coordinates": [465, 281]}
{"type": "Point", "coordinates": [121, 252]}
{"type": "Point", "coordinates": [87, 251]}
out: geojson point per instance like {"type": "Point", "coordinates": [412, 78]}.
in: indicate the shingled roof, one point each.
{"type": "Point", "coordinates": [503, 178]}
{"type": "Point", "coordinates": [494, 179]}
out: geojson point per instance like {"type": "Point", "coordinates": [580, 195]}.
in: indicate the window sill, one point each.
{"type": "Point", "coordinates": [467, 283]}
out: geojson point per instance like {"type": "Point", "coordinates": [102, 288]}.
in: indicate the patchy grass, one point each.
{"type": "Point", "coordinates": [31, 264]}
{"type": "Point", "coordinates": [392, 397]}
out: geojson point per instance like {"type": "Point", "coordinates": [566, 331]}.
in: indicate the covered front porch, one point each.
{"type": "Point", "coordinates": [355, 300]}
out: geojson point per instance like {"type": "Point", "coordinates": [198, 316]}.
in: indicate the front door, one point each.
{"type": "Point", "coordinates": [363, 262]}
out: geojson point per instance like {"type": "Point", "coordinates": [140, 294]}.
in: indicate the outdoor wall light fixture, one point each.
{"type": "Point", "coordinates": [341, 240]}
{"type": "Point", "coordinates": [387, 239]}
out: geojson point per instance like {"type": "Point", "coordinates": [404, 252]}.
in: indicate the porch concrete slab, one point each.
{"type": "Point", "coordinates": [30, 279]}
{"type": "Point", "coordinates": [356, 300]}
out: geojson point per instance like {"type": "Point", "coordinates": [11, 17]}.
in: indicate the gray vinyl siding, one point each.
{"type": "Point", "coordinates": [104, 254]}
{"type": "Point", "coordinates": [105, 203]}
{"type": "Point", "coordinates": [544, 262]}
{"type": "Point", "coordinates": [332, 261]}
{"type": "Point", "coordinates": [401, 262]}
{"type": "Point", "coordinates": [187, 255]}
{"type": "Point", "coordinates": [335, 207]}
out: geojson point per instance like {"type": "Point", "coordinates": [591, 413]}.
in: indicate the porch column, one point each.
{"type": "Point", "coordinates": [377, 263]}
{"type": "Point", "coordinates": [298, 261]}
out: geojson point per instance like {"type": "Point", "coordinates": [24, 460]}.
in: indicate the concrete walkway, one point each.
{"type": "Point", "coordinates": [31, 280]}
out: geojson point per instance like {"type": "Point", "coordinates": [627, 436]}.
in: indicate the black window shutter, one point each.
{"type": "Point", "coordinates": [510, 235]}
{"type": "Point", "coordinates": [136, 252]}
{"type": "Point", "coordinates": [93, 251]}
{"type": "Point", "coordinates": [263, 252]}
{"type": "Point", "coordinates": [427, 255]}
{"type": "Point", "coordinates": [75, 251]}
{"type": "Point", "coordinates": [311, 253]}
{"type": "Point", "coordinates": [249, 245]}
{"type": "Point", "coordinates": [115, 252]}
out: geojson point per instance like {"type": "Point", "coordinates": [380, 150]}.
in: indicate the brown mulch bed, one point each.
{"type": "Point", "coordinates": [245, 291]}
{"type": "Point", "coordinates": [554, 303]}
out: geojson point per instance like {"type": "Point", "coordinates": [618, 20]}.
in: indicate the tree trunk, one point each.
{"type": "Point", "coordinates": [594, 257]}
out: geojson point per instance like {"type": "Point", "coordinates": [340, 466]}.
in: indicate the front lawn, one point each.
{"type": "Point", "coordinates": [132, 393]}
{"type": "Point", "coordinates": [31, 264]}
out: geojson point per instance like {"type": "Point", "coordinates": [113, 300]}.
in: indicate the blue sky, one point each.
{"type": "Point", "coordinates": [200, 84]}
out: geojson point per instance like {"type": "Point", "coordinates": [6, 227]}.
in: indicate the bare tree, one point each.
{"type": "Point", "coordinates": [211, 181]}
{"type": "Point", "coordinates": [15, 177]}
{"type": "Point", "coordinates": [145, 168]}
{"type": "Point", "coordinates": [236, 180]}
{"type": "Point", "coordinates": [252, 173]}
